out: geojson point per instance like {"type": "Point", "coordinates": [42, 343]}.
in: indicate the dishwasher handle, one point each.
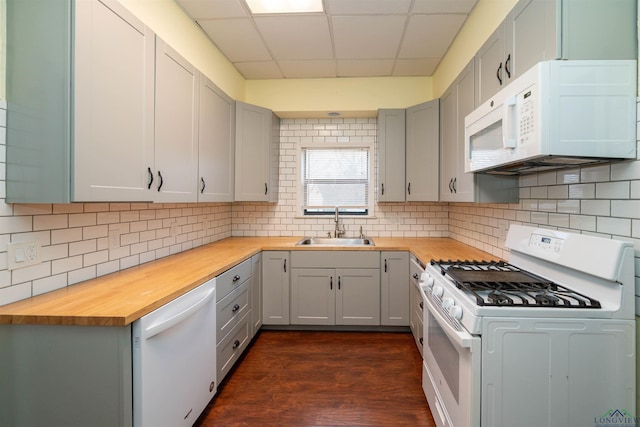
{"type": "Point", "coordinates": [156, 328]}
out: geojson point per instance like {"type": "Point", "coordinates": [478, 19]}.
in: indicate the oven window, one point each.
{"type": "Point", "coordinates": [446, 355]}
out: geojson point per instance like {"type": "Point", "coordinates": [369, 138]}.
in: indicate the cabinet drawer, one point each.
{"type": "Point", "coordinates": [232, 346]}
{"type": "Point", "coordinates": [232, 278]}
{"type": "Point", "coordinates": [335, 259]}
{"type": "Point", "coordinates": [231, 309]}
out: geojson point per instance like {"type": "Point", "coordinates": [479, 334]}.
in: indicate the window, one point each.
{"type": "Point", "coordinates": [333, 177]}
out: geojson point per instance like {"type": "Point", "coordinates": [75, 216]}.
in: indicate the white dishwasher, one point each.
{"type": "Point", "coordinates": [174, 360]}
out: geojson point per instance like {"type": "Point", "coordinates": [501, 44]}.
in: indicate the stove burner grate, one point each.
{"type": "Point", "coordinates": [498, 283]}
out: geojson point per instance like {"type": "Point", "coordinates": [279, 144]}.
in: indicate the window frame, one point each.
{"type": "Point", "coordinates": [300, 179]}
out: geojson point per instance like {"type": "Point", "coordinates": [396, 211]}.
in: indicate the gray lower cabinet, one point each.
{"type": "Point", "coordinates": [256, 294]}
{"type": "Point", "coordinates": [394, 292]}
{"type": "Point", "coordinates": [335, 288]}
{"type": "Point", "coordinates": [275, 287]}
{"type": "Point", "coordinates": [57, 375]}
{"type": "Point", "coordinates": [233, 315]}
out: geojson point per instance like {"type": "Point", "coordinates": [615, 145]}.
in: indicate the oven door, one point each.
{"type": "Point", "coordinates": [451, 368]}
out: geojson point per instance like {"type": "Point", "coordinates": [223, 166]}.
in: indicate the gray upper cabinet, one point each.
{"type": "Point", "coordinates": [422, 159]}
{"type": "Point", "coordinates": [541, 30]}
{"type": "Point", "coordinates": [78, 126]}
{"type": "Point", "coordinates": [391, 155]}
{"type": "Point", "coordinates": [216, 144]}
{"type": "Point", "coordinates": [257, 154]}
{"type": "Point", "coordinates": [176, 132]}
{"type": "Point", "coordinates": [456, 185]}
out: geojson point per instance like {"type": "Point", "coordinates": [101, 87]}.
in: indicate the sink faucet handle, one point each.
{"type": "Point", "coordinates": [361, 233]}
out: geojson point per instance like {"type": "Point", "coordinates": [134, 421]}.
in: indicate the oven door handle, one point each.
{"type": "Point", "coordinates": [462, 338]}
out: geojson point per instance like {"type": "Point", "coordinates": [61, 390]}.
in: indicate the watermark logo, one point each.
{"type": "Point", "coordinates": [616, 418]}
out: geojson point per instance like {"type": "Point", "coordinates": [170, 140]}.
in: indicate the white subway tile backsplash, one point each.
{"type": "Point", "coordinates": [615, 226]}
{"type": "Point", "coordinates": [598, 173]}
{"type": "Point", "coordinates": [613, 190]}
{"type": "Point", "coordinates": [625, 208]}
{"type": "Point", "coordinates": [582, 191]}
{"type": "Point", "coordinates": [595, 207]}
{"type": "Point", "coordinates": [582, 222]}
{"type": "Point", "coordinates": [569, 206]}
{"type": "Point", "coordinates": [48, 284]}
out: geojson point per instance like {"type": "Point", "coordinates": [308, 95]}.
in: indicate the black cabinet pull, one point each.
{"type": "Point", "coordinates": [506, 66]}
{"type": "Point", "coordinates": [285, 265]}
{"type": "Point", "coordinates": [339, 282]}
{"type": "Point", "coordinates": [421, 340]}
{"type": "Point", "coordinates": [499, 74]}
{"type": "Point", "coordinates": [385, 265]}
{"type": "Point", "coordinates": [455, 185]}
{"type": "Point", "coordinates": [450, 185]}
{"type": "Point", "coordinates": [421, 305]}
{"type": "Point", "coordinates": [235, 308]}
{"type": "Point", "coordinates": [382, 188]}
{"type": "Point", "coordinates": [150, 179]}
{"type": "Point", "coordinates": [409, 188]}
{"type": "Point", "coordinates": [161, 180]}
{"type": "Point", "coordinates": [331, 282]}
{"type": "Point", "coordinates": [203, 185]}
{"type": "Point", "coordinates": [266, 189]}
{"type": "Point", "coordinates": [415, 276]}
{"type": "Point", "coordinates": [236, 278]}
{"type": "Point", "coordinates": [236, 344]}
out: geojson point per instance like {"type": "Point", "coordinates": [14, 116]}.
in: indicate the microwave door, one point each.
{"type": "Point", "coordinates": [484, 140]}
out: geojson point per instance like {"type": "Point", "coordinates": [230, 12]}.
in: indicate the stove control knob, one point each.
{"type": "Point", "coordinates": [429, 282]}
{"type": "Point", "coordinates": [447, 302]}
{"type": "Point", "coordinates": [455, 311]}
{"type": "Point", "coordinates": [437, 291]}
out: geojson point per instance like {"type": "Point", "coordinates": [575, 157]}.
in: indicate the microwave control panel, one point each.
{"type": "Point", "coordinates": [526, 127]}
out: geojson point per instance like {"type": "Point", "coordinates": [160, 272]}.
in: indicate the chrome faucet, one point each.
{"type": "Point", "coordinates": [337, 232]}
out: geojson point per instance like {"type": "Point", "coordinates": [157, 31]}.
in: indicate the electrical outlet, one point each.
{"type": "Point", "coordinates": [114, 239]}
{"type": "Point", "coordinates": [23, 254]}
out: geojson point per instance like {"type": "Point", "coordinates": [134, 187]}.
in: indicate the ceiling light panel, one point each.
{"type": "Point", "coordinates": [258, 7]}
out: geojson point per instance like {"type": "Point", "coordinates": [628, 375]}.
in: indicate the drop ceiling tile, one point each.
{"type": "Point", "coordinates": [367, 7]}
{"type": "Point", "coordinates": [208, 9]}
{"type": "Point", "coordinates": [259, 70]}
{"type": "Point", "coordinates": [308, 69]}
{"type": "Point", "coordinates": [296, 37]}
{"type": "Point", "coordinates": [365, 67]}
{"type": "Point", "coordinates": [367, 37]}
{"type": "Point", "coordinates": [415, 67]}
{"type": "Point", "coordinates": [237, 39]}
{"type": "Point", "coordinates": [443, 6]}
{"type": "Point", "coordinates": [430, 36]}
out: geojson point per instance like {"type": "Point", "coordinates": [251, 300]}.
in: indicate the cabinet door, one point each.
{"type": "Point", "coordinates": [391, 151]}
{"type": "Point", "coordinates": [489, 64]}
{"type": "Point", "coordinates": [113, 104]}
{"type": "Point", "coordinates": [358, 296]}
{"type": "Point", "coordinates": [216, 144]}
{"type": "Point", "coordinates": [313, 296]}
{"type": "Point", "coordinates": [463, 183]}
{"type": "Point", "coordinates": [448, 142]}
{"type": "Point", "coordinates": [394, 291]}
{"type": "Point", "coordinates": [275, 287]}
{"type": "Point", "coordinates": [254, 153]}
{"type": "Point", "coordinates": [422, 159]}
{"type": "Point", "coordinates": [176, 149]}
{"type": "Point", "coordinates": [256, 293]}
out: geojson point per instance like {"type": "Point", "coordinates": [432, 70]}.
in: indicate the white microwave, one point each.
{"type": "Point", "coordinates": [557, 114]}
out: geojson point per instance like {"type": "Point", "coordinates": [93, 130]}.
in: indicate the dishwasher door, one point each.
{"type": "Point", "coordinates": [174, 360]}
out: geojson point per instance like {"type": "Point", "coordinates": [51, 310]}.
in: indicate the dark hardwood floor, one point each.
{"type": "Point", "coordinates": [309, 378]}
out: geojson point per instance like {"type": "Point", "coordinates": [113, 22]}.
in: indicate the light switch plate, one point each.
{"type": "Point", "coordinates": [23, 254]}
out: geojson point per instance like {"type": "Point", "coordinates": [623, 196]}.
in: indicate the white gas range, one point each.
{"type": "Point", "coordinates": [547, 339]}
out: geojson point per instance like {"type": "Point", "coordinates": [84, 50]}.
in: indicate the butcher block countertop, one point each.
{"type": "Point", "coordinates": [120, 298]}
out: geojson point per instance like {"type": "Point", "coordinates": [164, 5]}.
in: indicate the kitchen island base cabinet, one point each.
{"type": "Point", "coordinates": [71, 376]}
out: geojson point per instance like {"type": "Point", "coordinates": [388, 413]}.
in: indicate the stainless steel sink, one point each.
{"type": "Point", "coordinates": [338, 241]}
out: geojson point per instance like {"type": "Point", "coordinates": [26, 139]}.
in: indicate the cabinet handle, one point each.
{"type": "Point", "coordinates": [285, 265]}
{"type": "Point", "coordinates": [235, 308]}
{"type": "Point", "coordinates": [236, 278]}
{"type": "Point", "coordinates": [161, 180]}
{"type": "Point", "coordinates": [450, 185]}
{"type": "Point", "coordinates": [421, 340]}
{"type": "Point", "coordinates": [203, 185]}
{"type": "Point", "coordinates": [421, 305]}
{"type": "Point", "coordinates": [331, 282]}
{"type": "Point", "coordinates": [499, 74]}
{"type": "Point", "coordinates": [382, 188]}
{"type": "Point", "coordinates": [236, 344]}
{"type": "Point", "coordinates": [150, 179]}
{"type": "Point", "coordinates": [506, 66]}
{"type": "Point", "coordinates": [385, 265]}
{"type": "Point", "coordinates": [266, 189]}
{"type": "Point", "coordinates": [455, 184]}
{"type": "Point", "coordinates": [339, 282]}
{"type": "Point", "coordinates": [415, 276]}
{"type": "Point", "coordinates": [409, 188]}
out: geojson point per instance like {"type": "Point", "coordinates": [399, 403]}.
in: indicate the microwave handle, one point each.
{"type": "Point", "coordinates": [509, 130]}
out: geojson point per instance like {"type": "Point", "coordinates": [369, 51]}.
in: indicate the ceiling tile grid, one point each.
{"type": "Point", "coordinates": [351, 38]}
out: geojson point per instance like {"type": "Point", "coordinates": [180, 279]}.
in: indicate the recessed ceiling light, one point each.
{"type": "Point", "coordinates": [284, 6]}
